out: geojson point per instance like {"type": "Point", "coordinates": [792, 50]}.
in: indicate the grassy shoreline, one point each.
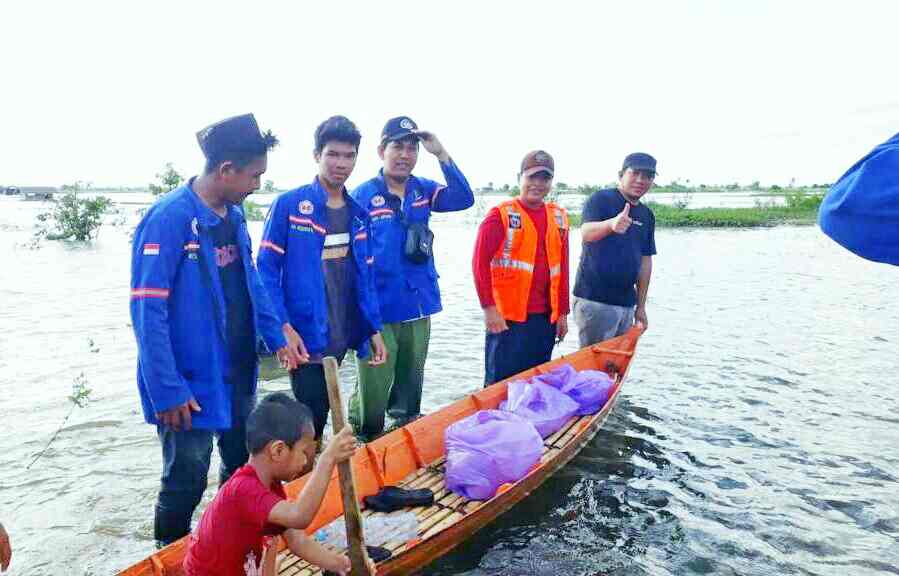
{"type": "Point", "coordinates": [799, 213]}
{"type": "Point", "coordinates": [758, 216]}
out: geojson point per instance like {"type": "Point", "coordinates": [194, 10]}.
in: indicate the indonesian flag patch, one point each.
{"type": "Point", "coordinates": [151, 249]}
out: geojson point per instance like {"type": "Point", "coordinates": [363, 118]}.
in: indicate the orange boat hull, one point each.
{"type": "Point", "coordinates": [414, 449]}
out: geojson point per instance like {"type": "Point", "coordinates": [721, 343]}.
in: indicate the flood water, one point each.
{"type": "Point", "coordinates": [758, 432]}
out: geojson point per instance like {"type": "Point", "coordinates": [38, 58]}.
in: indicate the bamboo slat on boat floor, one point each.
{"type": "Point", "coordinates": [448, 507]}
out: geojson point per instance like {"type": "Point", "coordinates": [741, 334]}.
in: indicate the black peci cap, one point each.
{"type": "Point", "coordinates": [238, 135]}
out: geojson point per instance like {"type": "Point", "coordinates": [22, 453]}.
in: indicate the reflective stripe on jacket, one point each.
{"type": "Point", "coordinates": [178, 309]}
{"type": "Point", "coordinates": [290, 263]}
{"type": "Point", "coordinates": [407, 290]}
{"type": "Point", "coordinates": [512, 267]}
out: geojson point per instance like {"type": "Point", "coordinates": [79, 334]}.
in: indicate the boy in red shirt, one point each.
{"type": "Point", "coordinates": [252, 506]}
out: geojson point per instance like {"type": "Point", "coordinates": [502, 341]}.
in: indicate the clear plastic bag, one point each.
{"type": "Point", "coordinates": [488, 449]}
{"type": "Point", "coordinates": [379, 529]}
{"type": "Point", "coordinates": [544, 406]}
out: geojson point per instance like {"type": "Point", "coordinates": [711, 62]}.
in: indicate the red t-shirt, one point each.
{"type": "Point", "coordinates": [491, 235]}
{"type": "Point", "coordinates": [233, 526]}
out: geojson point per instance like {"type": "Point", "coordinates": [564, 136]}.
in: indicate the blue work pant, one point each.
{"type": "Point", "coordinates": [523, 346]}
{"type": "Point", "coordinates": [186, 456]}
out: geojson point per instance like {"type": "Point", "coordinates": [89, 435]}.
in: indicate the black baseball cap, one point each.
{"type": "Point", "coordinates": [639, 161]}
{"type": "Point", "coordinates": [238, 135]}
{"type": "Point", "coordinates": [398, 128]}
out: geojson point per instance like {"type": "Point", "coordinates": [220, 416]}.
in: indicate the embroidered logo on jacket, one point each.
{"type": "Point", "coordinates": [514, 220]}
{"type": "Point", "coordinates": [151, 249]}
{"type": "Point", "coordinates": [306, 207]}
{"type": "Point", "coordinates": [377, 201]}
{"type": "Point", "coordinates": [194, 227]}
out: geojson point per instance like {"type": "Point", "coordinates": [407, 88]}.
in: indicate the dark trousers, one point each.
{"type": "Point", "coordinates": [185, 463]}
{"type": "Point", "coordinates": [309, 387]}
{"type": "Point", "coordinates": [523, 346]}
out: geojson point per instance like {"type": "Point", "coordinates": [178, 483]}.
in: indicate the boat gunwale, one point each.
{"type": "Point", "coordinates": [167, 562]}
{"type": "Point", "coordinates": [452, 536]}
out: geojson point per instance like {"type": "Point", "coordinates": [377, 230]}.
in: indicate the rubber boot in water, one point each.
{"type": "Point", "coordinates": [170, 525]}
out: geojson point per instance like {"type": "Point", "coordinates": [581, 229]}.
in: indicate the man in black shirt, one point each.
{"type": "Point", "coordinates": [618, 233]}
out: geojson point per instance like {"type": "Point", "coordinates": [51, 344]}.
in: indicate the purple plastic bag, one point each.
{"type": "Point", "coordinates": [544, 406]}
{"type": "Point", "coordinates": [557, 377]}
{"type": "Point", "coordinates": [487, 450]}
{"type": "Point", "coordinates": [589, 388]}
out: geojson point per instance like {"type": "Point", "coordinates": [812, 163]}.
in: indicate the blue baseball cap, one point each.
{"type": "Point", "coordinates": [398, 128]}
{"type": "Point", "coordinates": [639, 161]}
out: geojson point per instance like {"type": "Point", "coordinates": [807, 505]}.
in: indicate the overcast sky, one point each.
{"type": "Point", "coordinates": [718, 91]}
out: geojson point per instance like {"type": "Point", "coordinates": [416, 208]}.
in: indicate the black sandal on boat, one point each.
{"type": "Point", "coordinates": [392, 498]}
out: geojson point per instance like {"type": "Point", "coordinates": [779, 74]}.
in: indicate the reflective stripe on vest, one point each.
{"type": "Point", "coordinates": [512, 267]}
{"type": "Point", "coordinates": [509, 263]}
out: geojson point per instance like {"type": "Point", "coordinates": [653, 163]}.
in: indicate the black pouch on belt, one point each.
{"type": "Point", "coordinates": [419, 245]}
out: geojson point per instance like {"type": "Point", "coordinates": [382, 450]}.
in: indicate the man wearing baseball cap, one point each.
{"type": "Point", "coordinates": [197, 307]}
{"type": "Point", "coordinates": [400, 206]}
{"type": "Point", "coordinates": [618, 233]}
{"type": "Point", "coordinates": [520, 267]}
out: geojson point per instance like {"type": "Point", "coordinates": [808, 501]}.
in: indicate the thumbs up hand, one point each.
{"type": "Point", "coordinates": [622, 222]}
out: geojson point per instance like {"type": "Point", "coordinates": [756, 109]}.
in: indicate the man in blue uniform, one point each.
{"type": "Point", "coordinates": [400, 207]}
{"type": "Point", "coordinates": [197, 307]}
{"type": "Point", "coordinates": [861, 211]}
{"type": "Point", "coordinates": [315, 262]}
{"type": "Point", "coordinates": [618, 232]}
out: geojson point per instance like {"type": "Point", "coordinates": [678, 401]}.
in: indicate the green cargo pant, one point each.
{"type": "Point", "coordinates": [397, 382]}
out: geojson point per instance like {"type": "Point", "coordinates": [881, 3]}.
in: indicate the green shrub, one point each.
{"type": "Point", "coordinates": [168, 179]}
{"type": "Point", "coordinates": [252, 212]}
{"type": "Point", "coordinates": [803, 201]}
{"type": "Point", "coordinates": [73, 218]}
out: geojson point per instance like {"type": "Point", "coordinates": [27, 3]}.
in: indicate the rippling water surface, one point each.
{"type": "Point", "coordinates": [758, 432]}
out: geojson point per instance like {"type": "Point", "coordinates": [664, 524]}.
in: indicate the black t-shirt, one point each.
{"type": "Point", "coordinates": [339, 273]}
{"type": "Point", "coordinates": [609, 268]}
{"type": "Point", "coordinates": [239, 310]}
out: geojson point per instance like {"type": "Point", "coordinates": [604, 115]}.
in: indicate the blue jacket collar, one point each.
{"type": "Point", "coordinates": [355, 208]}
{"type": "Point", "coordinates": [410, 182]}
{"type": "Point", "coordinates": [205, 216]}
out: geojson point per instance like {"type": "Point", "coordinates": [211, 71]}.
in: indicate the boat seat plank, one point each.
{"type": "Point", "coordinates": [443, 524]}
{"type": "Point", "coordinates": [560, 432]}
{"type": "Point", "coordinates": [571, 433]}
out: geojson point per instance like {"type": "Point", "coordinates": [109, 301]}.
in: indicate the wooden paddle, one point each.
{"type": "Point", "coordinates": [352, 516]}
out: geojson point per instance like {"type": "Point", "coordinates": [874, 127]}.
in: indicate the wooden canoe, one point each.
{"type": "Point", "coordinates": [413, 457]}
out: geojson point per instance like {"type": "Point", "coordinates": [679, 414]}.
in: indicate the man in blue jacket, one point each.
{"type": "Point", "coordinates": [861, 211]}
{"type": "Point", "coordinates": [315, 262]}
{"type": "Point", "coordinates": [197, 306]}
{"type": "Point", "coordinates": [400, 207]}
